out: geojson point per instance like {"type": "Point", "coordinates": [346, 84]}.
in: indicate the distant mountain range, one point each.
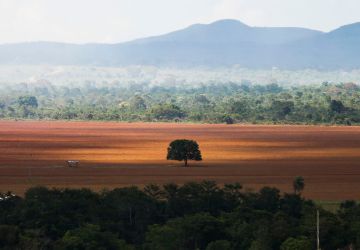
{"type": "Point", "coordinates": [222, 43]}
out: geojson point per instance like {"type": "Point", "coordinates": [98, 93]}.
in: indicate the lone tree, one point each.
{"type": "Point", "coordinates": [184, 150]}
{"type": "Point", "coordinates": [298, 184]}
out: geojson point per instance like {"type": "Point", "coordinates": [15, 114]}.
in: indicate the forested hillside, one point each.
{"type": "Point", "coordinates": [221, 43]}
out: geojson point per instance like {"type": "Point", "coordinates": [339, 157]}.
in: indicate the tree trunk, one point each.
{"type": "Point", "coordinates": [130, 216]}
{"type": "Point", "coordinates": [186, 163]}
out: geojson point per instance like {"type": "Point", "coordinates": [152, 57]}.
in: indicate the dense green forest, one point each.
{"type": "Point", "coordinates": [170, 217]}
{"type": "Point", "coordinates": [209, 103]}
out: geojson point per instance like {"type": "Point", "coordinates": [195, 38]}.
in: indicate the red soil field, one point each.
{"type": "Point", "coordinates": [121, 154]}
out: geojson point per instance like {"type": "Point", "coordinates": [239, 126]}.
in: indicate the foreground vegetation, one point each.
{"type": "Point", "coordinates": [192, 216]}
{"type": "Point", "coordinates": [210, 103]}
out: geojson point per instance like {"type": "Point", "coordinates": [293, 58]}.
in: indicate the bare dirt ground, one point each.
{"type": "Point", "coordinates": [120, 154]}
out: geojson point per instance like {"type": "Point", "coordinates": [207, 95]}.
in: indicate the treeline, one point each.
{"type": "Point", "coordinates": [211, 103]}
{"type": "Point", "coordinates": [170, 217]}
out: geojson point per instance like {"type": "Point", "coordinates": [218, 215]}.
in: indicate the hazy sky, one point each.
{"type": "Point", "coordinates": [110, 21]}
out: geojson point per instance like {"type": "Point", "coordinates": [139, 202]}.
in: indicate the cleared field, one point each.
{"type": "Point", "coordinates": [120, 154]}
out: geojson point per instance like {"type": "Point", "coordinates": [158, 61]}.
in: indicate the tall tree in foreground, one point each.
{"type": "Point", "coordinates": [184, 150]}
{"type": "Point", "coordinates": [298, 184]}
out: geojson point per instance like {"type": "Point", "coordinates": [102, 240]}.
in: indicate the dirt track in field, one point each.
{"type": "Point", "coordinates": [120, 154]}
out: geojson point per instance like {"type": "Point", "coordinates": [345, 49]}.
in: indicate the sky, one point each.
{"type": "Point", "coordinates": [112, 21]}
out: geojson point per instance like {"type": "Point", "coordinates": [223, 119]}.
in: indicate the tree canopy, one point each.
{"type": "Point", "coordinates": [184, 150]}
{"type": "Point", "coordinates": [195, 215]}
{"type": "Point", "coordinates": [217, 102]}
{"type": "Point", "coordinates": [298, 184]}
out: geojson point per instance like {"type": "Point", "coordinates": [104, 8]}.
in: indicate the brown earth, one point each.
{"type": "Point", "coordinates": [120, 154]}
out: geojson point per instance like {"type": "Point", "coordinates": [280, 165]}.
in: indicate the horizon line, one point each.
{"type": "Point", "coordinates": [162, 34]}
